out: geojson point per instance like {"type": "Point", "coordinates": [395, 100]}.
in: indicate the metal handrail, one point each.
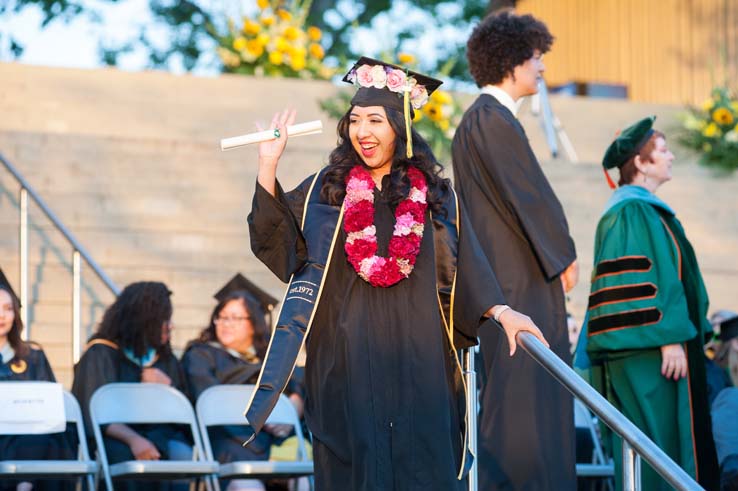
{"type": "Point", "coordinates": [635, 442]}
{"type": "Point", "coordinates": [79, 252]}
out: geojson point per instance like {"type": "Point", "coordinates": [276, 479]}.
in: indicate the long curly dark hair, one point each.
{"type": "Point", "coordinates": [260, 339]}
{"type": "Point", "coordinates": [20, 347]}
{"type": "Point", "coordinates": [503, 41]}
{"type": "Point", "coordinates": [136, 318]}
{"type": "Point", "coordinates": [343, 158]}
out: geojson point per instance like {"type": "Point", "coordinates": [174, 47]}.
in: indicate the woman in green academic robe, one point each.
{"type": "Point", "coordinates": [646, 319]}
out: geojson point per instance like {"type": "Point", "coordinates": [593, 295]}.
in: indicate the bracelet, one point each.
{"type": "Point", "coordinates": [499, 311]}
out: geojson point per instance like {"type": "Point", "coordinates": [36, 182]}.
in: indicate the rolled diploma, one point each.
{"type": "Point", "coordinates": [302, 129]}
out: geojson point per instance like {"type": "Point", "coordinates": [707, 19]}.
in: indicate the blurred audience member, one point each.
{"type": "Point", "coordinates": [24, 361]}
{"type": "Point", "coordinates": [230, 351]}
{"type": "Point", "coordinates": [132, 345]}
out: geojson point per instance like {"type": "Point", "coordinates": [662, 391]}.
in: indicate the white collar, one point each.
{"type": "Point", "coordinates": [7, 353]}
{"type": "Point", "coordinates": [503, 97]}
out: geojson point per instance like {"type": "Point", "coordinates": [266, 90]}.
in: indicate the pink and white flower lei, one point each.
{"type": "Point", "coordinates": [361, 240]}
{"type": "Point", "coordinates": [393, 79]}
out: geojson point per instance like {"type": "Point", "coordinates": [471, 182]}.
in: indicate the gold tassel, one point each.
{"type": "Point", "coordinates": [408, 131]}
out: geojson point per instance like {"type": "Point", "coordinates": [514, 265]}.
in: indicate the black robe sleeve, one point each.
{"type": "Point", "coordinates": [199, 367]}
{"type": "Point", "coordinates": [514, 177]}
{"type": "Point", "coordinates": [477, 289]}
{"type": "Point", "coordinates": [97, 367]}
{"type": "Point", "coordinates": [274, 229]}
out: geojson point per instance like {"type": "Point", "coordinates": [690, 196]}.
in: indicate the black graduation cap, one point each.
{"type": "Point", "coordinates": [728, 329]}
{"type": "Point", "coordinates": [388, 85]}
{"type": "Point", "coordinates": [240, 283]}
{"type": "Point", "coordinates": [6, 284]}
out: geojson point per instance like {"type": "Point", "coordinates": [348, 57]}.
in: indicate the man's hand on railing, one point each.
{"type": "Point", "coordinates": [514, 322]}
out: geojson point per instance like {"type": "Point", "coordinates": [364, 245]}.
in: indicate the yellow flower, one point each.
{"type": "Point", "coordinates": [708, 104]}
{"type": "Point", "coordinates": [292, 33]}
{"type": "Point", "coordinates": [262, 4]}
{"type": "Point", "coordinates": [433, 111]}
{"type": "Point", "coordinates": [405, 58]}
{"type": "Point", "coordinates": [441, 97]}
{"type": "Point", "coordinates": [267, 20]}
{"type": "Point", "coordinates": [297, 63]}
{"type": "Point", "coordinates": [281, 44]}
{"type": "Point", "coordinates": [722, 116]}
{"type": "Point", "coordinates": [228, 57]}
{"type": "Point", "coordinates": [254, 48]}
{"type": "Point", "coordinates": [314, 33]}
{"type": "Point", "coordinates": [298, 51]}
{"type": "Point", "coordinates": [284, 15]}
{"type": "Point", "coordinates": [443, 124]}
{"type": "Point", "coordinates": [239, 44]}
{"type": "Point", "coordinates": [711, 131]}
{"type": "Point", "coordinates": [418, 116]}
{"type": "Point", "coordinates": [251, 28]}
{"type": "Point", "coordinates": [263, 39]}
{"type": "Point", "coordinates": [316, 51]}
{"type": "Point", "coordinates": [275, 58]}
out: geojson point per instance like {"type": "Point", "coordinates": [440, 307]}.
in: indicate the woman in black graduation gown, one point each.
{"type": "Point", "coordinates": [230, 351]}
{"type": "Point", "coordinates": [132, 345]}
{"type": "Point", "coordinates": [25, 362]}
{"type": "Point", "coordinates": [384, 394]}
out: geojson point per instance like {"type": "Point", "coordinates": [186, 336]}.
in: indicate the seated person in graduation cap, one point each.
{"type": "Point", "coordinates": [230, 351]}
{"type": "Point", "coordinates": [25, 362]}
{"type": "Point", "coordinates": [132, 345]}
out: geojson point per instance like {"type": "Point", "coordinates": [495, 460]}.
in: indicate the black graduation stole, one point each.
{"type": "Point", "coordinates": [320, 228]}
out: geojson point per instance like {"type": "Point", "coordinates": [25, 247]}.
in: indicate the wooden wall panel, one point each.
{"type": "Point", "coordinates": [666, 51]}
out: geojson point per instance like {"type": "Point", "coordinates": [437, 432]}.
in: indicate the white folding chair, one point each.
{"type": "Point", "coordinates": [222, 405]}
{"type": "Point", "coordinates": [600, 467]}
{"type": "Point", "coordinates": [49, 469]}
{"type": "Point", "coordinates": [141, 403]}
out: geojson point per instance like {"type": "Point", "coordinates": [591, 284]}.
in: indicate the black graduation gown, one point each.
{"type": "Point", "coordinates": [526, 428]}
{"type": "Point", "coordinates": [381, 387]}
{"type": "Point", "coordinates": [55, 446]}
{"type": "Point", "coordinates": [209, 364]}
{"type": "Point", "coordinates": [104, 364]}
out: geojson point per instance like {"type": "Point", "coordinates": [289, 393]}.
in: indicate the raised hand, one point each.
{"type": "Point", "coordinates": [271, 151]}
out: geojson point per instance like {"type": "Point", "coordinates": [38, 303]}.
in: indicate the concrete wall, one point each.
{"type": "Point", "coordinates": [130, 163]}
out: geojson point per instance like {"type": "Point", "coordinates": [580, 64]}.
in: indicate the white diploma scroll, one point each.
{"type": "Point", "coordinates": [302, 129]}
{"type": "Point", "coordinates": [31, 408]}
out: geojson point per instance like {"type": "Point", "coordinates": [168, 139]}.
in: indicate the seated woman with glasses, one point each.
{"type": "Point", "coordinates": [230, 351]}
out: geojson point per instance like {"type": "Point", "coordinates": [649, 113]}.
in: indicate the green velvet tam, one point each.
{"type": "Point", "coordinates": [628, 143]}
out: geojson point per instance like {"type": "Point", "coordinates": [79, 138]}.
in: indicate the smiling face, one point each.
{"type": "Point", "coordinates": [373, 138]}
{"type": "Point", "coordinates": [233, 327]}
{"type": "Point", "coordinates": [7, 315]}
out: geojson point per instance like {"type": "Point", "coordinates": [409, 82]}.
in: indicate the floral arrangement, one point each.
{"type": "Point", "coordinates": [436, 120]}
{"type": "Point", "coordinates": [361, 240]}
{"type": "Point", "coordinates": [712, 130]}
{"type": "Point", "coordinates": [394, 79]}
{"type": "Point", "coordinates": [275, 42]}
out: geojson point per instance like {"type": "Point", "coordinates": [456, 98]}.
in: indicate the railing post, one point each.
{"type": "Point", "coordinates": [630, 478]}
{"type": "Point", "coordinates": [472, 411]}
{"type": "Point", "coordinates": [23, 266]}
{"type": "Point", "coordinates": [76, 306]}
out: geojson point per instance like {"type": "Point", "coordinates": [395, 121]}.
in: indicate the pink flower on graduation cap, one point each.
{"type": "Point", "coordinates": [396, 80]}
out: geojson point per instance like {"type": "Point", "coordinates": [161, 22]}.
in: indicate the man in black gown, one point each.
{"type": "Point", "coordinates": [526, 428]}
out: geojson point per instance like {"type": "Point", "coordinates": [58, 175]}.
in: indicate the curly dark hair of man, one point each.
{"type": "Point", "coordinates": [343, 158]}
{"type": "Point", "coordinates": [136, 318]}
{"type": "Point", "coordinates": [260, 339]}
{"type": "Point", "coordinates": [503, 41]}
{"type": "Point", "coordinates": [14, 335]}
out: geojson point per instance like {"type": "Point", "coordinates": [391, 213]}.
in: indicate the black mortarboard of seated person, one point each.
{"type": "Point", "coordinates": [240, 283]}
{"type": "Point", "coordinates": [728, 329]}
